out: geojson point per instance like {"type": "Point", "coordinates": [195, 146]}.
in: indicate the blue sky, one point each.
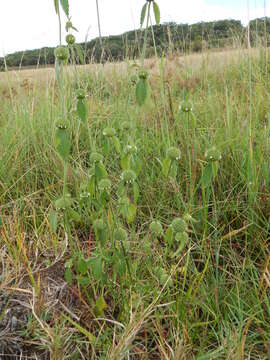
{"type": "Point", "coordinates": [32, 23]}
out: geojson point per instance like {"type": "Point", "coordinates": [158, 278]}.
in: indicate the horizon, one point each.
{"type": "Point", "coordinates": [40, 31]}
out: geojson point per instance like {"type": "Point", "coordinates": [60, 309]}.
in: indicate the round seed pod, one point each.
{"type": "Point", "coordinates": [109, 132]}
{"type": "Point", "coordinates": [96, 157]}
{"type": "Point", "coordinates": [64, 202]}
{"type": "Point", "coordinates": [130, 149]}
{"type": "Point", "coordinates": [143, 74]}
{"type": "Point", "coordinates": [70, 39]}
{"type": "Point", "coordinates": [156, 228]}
{"type": "Point", "coordinates": [99, 224]}
{"type": "Point", "coordinates": [120, 234]}
{"type": "Point", "coordinates": [128, 176]}
{"type": "Point", "coordinates": [186, 107]}
{"type": "Point", "coordinates": [61, 53]}
{"type": "Point", "coordinates": [213, 154]}
{"type": "Point", "coordinates": [181, 237]}
{"type": "Point", "coordinates": [80, 94]}
{"type": "Point", "coordinates": [104, 184]}
{"type": "Point", "coordinates": [179, 225]}
{"type": "Point", "coordinates": [174, 153]}
{"type": "Point", "coordinates": [126, 125]}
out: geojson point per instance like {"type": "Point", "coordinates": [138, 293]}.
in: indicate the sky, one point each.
{"type": "Point", "coordinates": [32, 24]}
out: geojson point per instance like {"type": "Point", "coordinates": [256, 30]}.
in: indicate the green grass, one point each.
{"type": "Point", "coordinates": [211, 300]}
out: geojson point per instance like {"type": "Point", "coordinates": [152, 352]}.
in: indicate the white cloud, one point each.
{"type": "Point", "coordinates": [32, 23]}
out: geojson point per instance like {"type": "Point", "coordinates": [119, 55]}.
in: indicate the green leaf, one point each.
{"type": "Point", "coordinates": [63, 143]}
{"type": "Point", "coordinates": [83, 280]}
{"type": "Point", "coordinates": [65, 6]}
{"type": "Point", "coordinates": [169, 236]}
{"type": "Point", "coordinates": [131, 213]}
{"type": "Point", "coordinates": [125, 162]}
{"type": "Point", "coordinates": [116, 144]}
{"type": "Point", "coordinates": [81, 110]}
{"type": "Point", "coordinates": [207, 175]}
{"type": "Point", "coordinates": [96, 267]}
{"type": "Point", "coordinates": [102, 236]}
{"type": "Point", "coordinates": [143, 13]}
{"type": "Point", "coordinates": [68, 275]}
{"type": "Point", "coordinates": [141, 91]}
{"type": "Point", "coordinates": [136, 192]}
{"type": "Point", "coordinates": [166, 165]}
{"type": "Point", "coordinates": [100, 306]}
{"type": "Point", "coordinates": [100, 171]}
{"type": "Point", "coordinates": [74, 215]}
{"type": "Point", "coordinates": [82, 266]}
{"type": "Point", "coordinates": [137, 166]}
{"type": "Point", "coordinates": [53, 220]}
{"type": "Point", "coordinates": [56, 6]}
{"type": "Point", "coordinates": [156, 12]}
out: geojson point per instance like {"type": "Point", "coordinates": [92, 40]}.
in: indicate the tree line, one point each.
{"type": "Point", "coordinates": [164, 39]}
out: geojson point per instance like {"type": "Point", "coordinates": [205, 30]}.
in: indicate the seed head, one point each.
{"type": "Point", "coordinates": [130, 149]}
{"type": "Point", "coordinates": [181, 237]}
{"type": "Point", "coordinates": [143, 75]}
{"type": "Point", "coordinates": [61, 126]}
{"type": "Point", "coordinates": [156, 228]}
{"type": "Point", "coordinates": [96, 157]}
{"type": "Point", "coordinates": [85, 195]}
{"type": "Point", "coordinates": [70, 39]}
{"type": "Point", "coordinates": [64, 202]}
{"type": "Point", "coordinates": [120, 234]}
{"type": "Point", "coordinates": [80, 94]}
{"type": "Point", "coordinates": [128, 176]}
{"type": "Point", "coordinates": [213, 154]}
{"type": "Point", "coordinates": [104, 184]}
{"type": "Point", "coordinates": [126, 125]}
{"type": "Point", "coordinates": [61, 53]}
{"type": "Point", "coordinates": [99, 224]}
{"type": "Point", "coordinates": [109, 132]}
{"type": "Point", "coordinates": [186, 107]}
{"type": "Point", "coordinates": [174, 153]}
{"type": "Point", "coordinates": [179, 225]}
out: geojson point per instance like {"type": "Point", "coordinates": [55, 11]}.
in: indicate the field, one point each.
{"type": "Point", "coordinates": [136, 232]}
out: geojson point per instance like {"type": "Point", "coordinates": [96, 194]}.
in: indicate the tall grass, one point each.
{"type": "Point", "coordinates": [99, 280]}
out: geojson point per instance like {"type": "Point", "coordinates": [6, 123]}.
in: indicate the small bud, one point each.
{"type": "Point", "coordinates": [104, 184]}
{"type": "Point", "coordinates": [99, 224]}
{"type": "Point", "coordinates": [128, 176]}
{"type": "Point", "coordinates": [156, 228]}
{"type": "Point", "coordinates": [130, 149]}
{"type": "Point", "coordinates": [80, 94]}
{"type": "Point", "coordinates": [61, 53]}
{"type": "Point", "coordinates": [179, 225]}
{"type": "Point", "coordinates": [120, 234]}
{"type": "Point", "coordinates": [143, 75]}
{"type": "Point", "coordinates": [96, 157]}
{"type": "Point", "coordinates": [70, 39]}
{"type": "Point", "coordinates": [68, 25]}
{"type": "Point", "coordinates": [109, 132]}
{"type": "Point", "coordinates": [186, 107]}
{"type": "Point", "coordinates": [173, 154]}
{"type": "Point", "coordinates": [181, 237]}
{"type": "Point", "coordinates": [126, 125]}
{"type": "Point", "coordinates": [213, 154]}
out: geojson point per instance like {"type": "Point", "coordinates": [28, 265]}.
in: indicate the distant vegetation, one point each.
{"type": "Point", "coordinates": [169, 37]}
